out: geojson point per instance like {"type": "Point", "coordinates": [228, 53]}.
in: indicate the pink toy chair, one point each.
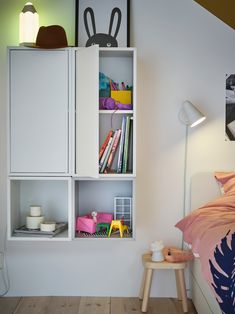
{"type": "Point", "coordinates": [86, 224]}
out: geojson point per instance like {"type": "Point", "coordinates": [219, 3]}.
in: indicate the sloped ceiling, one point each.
{"type": "Point", "coordinates": [223, 9]}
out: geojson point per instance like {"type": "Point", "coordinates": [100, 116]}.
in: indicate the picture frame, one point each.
{"type": "Point", "coordinates": [230, 107]}
{"type": "Point", "coordinates": [102, 22]}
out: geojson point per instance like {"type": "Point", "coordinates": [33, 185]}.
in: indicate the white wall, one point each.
{"type": "Point", "coordinates": [183, 53]}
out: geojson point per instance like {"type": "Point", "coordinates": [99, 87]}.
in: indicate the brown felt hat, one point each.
{"type": "Point", "coordinates": [50, 37]}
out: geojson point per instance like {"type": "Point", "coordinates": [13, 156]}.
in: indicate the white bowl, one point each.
{"type": "Point", "coordinates": [48, 226]}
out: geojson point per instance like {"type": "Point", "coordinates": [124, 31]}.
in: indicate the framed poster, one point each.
{"type": "Point", "coordinates": [102, 22]}
{"type": "Point", "coordinates": [230, 107]}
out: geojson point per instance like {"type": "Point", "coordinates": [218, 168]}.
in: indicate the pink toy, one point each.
{"type": "Point", "coordinates": [108, 103]}
{"type": "Point", "coordinates": [104, 217]}
{"type": "Point", "coordinates": [87, 224]}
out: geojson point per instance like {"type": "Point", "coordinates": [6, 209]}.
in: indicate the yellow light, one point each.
{"type": "Point", "coordinates": [28, 24]}
{"type": "Point", "coordinates": [197, 122]}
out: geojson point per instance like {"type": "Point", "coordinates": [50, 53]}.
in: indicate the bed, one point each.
{"type": "Point", "coordinates": [202, 296]}
{"type": "Point", "coordinates": [217, 216]}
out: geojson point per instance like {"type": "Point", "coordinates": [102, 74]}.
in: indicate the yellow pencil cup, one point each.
{"type": "Point", "coordinates": [123, 96]}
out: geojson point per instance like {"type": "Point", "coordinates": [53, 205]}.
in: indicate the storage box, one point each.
{"type": "Point", "coordinates": [123, 96]}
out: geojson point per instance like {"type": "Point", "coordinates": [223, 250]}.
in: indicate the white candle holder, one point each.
{"type": "Point", "coordinates": [156, 248]}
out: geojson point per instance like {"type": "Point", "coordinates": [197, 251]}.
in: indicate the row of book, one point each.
{"type": "Point", "coordinates": [119, 140]}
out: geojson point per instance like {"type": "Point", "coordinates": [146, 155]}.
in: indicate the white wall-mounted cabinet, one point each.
{"type": "Point", "coordinates": [92, 124]}
{"type": "Point", "coordinates": [39, 111]}
{"type": "Point", "coordinates": [87, 100]}
{"type": "Point", "coordinates": [56, 131]}
{"type": "Point", "coordinates": [120, 66]}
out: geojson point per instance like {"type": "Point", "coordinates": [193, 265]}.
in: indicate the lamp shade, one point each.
{"type": "Point", "coordinates": [28, 24]}
{"type": "Point", "coordinates": [190, 115]}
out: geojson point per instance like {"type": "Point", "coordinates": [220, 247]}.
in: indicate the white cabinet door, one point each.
{"type": "Point", "coordinates": [87, 108]}
{"type": "Point", "coordinates": [39, 98]}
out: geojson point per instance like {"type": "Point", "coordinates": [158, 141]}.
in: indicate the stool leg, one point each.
{"type": "Point", "coordinates": [182, 289]}
{"type": "Point", "coordinates": [178, 285]}
{"type": "Point", "coordinates": [147, 287]}
{"type": "Point", "coordinates": [141, 294]}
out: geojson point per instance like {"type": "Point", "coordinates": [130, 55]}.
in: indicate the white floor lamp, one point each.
{"type": "Point", "coordinates": [190, 116]}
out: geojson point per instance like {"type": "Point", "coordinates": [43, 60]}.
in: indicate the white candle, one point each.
{"type": "Point", "coordinates": [35, 210]}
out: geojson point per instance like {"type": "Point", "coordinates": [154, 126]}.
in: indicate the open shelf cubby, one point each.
{"type": "Point", "coordinates": [52, 194]}
{"type": "Point", "coordinates": [119, 67]}
{"type": "Point", "coordinates": [99, 196]}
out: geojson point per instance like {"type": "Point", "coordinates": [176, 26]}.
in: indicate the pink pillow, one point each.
{"type": "Point", "coordinates": [220, 211]}
{"type": "Point", "coordinates": [227, 181]}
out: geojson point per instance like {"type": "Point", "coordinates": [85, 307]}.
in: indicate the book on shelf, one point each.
{"type": "Point", "coordinates": [105, 144]}
{"type": "Point", "coordinates": [113, 151]}
{"type": "Point", "coordinates": [108, 152]}
{"type": "Point", "coordinates": [126, 145]}
{"type": "Point", "coordinates": [121, 145]}
{"type": "Point", "coordinates": [121, 141]}
{"type": "Point", "coordinates": [102, 160]}
{"type": "Point", "coordinates": [130, 149]}
{"type": "Point", "coordinates": [25, 232]}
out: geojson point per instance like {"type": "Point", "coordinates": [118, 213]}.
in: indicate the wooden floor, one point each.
{"type": "Point", "coordinates": [89, 305]}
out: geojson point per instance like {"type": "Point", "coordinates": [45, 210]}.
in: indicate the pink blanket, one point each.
{"type": "Point", "coordinates": [210, 230]}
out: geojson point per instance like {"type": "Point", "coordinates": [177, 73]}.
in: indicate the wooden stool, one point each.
{"type": "Point", "coordinates": [149, 266]}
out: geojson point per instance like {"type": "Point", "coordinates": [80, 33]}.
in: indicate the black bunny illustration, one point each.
{"type": "Point", "coordinates": [101, 39]}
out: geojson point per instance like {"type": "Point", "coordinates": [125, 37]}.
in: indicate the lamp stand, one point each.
{"type": "Point", "coordinates": [185, 177]}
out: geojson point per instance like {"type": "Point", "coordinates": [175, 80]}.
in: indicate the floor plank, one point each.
{"type": "Point", "coordinates": [32, 305]}
{"type": "Point", "coordinates": [90, 305]}
{"type": "Point", "coordinates": [178, 305]}
{"type": "Point", "coordinates": [63, 305]}
{"type": "Point", "coordinates": [8, 305]}
{"type": "Point", "coordinates": [168, 306]}
{"type": "Point", "coordinates": [94, 305]}
{"type": "Point", "coordinates": [125, 306]}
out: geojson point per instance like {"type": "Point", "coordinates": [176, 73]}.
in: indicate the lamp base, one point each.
{"type": "Point", "coordinates": [27, 44]}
